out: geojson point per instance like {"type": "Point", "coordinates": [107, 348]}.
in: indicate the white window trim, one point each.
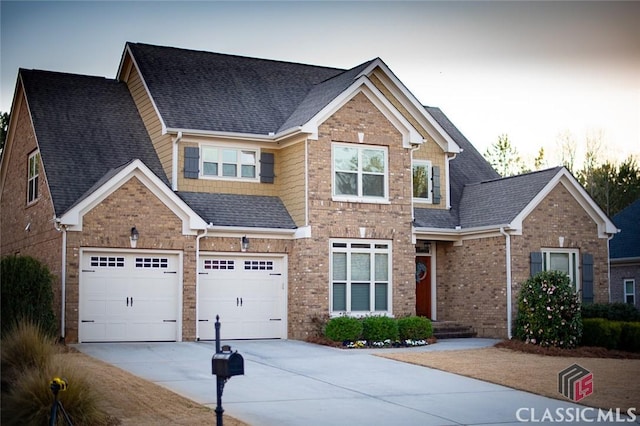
{"type": "Point", "coordinates": [239, 163]}
{"type": "Point", "coordinates": [360, 198]}
{"type": "Point", "coordinates": [388, 251]}
{"type": "Point", "coordinates": [624, 289]}
{"type": "Point", "coordinates": [574, 256]}
{"type": "Point", "coordinates": [428, 165]}
{"type": "Point", "coordinates": [36, 177]}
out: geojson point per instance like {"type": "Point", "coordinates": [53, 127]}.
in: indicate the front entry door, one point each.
{"type": "Point", "coordinates": [423, 286]}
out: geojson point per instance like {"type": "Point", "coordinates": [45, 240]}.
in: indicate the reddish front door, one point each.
{"type": "Point", "coordinates": [423, 286]}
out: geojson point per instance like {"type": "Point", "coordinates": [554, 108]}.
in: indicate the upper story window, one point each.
{"type": "Point", "coordinates": [563, 260]}
{"type": "Point", "coordinates": [422, 181]}
{"type": "Point", "coordinates": [229, 162]}
{"type": "Point", "coordinates": [33, 177]}
{"type": "Point", "coordinates": [360, 173]}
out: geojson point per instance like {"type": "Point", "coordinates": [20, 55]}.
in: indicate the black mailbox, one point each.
{"type": "Point", "coordinates": [227, 364]}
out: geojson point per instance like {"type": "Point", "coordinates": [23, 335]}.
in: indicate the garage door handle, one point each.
{"type": "Point", "coordinates": [170, 272]}
{"type": "Point", "coordinates": [275, 319]}
{"type": "Point", "coordinates": [168, 320]}
{"type": "Point", "coordinates": [132, 302]}
{"type": "Point", "coordinates": [127, 301]}
{"type": "Point", "coordinates": [276, 274]}
{"type": "Point", "coordinates": [87, 321]}
{"type": "Point", "coordinates": [238, 301]}
{"type": "Point", "coordinates": [204, 320]}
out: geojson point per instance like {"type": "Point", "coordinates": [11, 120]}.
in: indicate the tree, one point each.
{"type": "Point", "coordinates": [504, 157]}
{"type": "Point", "coordinates": [4, 127]}
{"type": "Point", "coordinates": [568, 150]}
{"type": "Point", "coordinates": [613, 187]}
{"type": "Point", "coordinates": [539, 162]}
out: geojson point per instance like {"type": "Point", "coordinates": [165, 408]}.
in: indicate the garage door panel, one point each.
{"type": "Point", "coordinates": [129, 297]}
{"type": "Point", "coordinates": [248, 294]}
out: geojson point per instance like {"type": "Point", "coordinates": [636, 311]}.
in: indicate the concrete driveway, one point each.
{"type": "Point", "coordinates": [288, 382]}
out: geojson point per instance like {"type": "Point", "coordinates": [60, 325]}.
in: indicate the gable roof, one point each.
{"type": "Point", "coordinates": [85, 126]}
{"type": "Point", "coordinates": [626, 244]}
{"type": "Point", "coordinates": [197, 90]}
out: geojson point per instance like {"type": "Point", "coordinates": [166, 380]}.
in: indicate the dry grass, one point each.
{"type": "Point", "coordinates": [130, 400]}
{"type": "Point", "coordinates": [615, 380]}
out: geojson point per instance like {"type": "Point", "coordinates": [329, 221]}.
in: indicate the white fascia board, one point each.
{"type": "Point", "coordinates": [191, 221]}
{"type": "Point", "coordinates": [144, 84]}
{"type": "Point", "coordinates": [240, 231]}
{"type": "Point", "coordinates": [455, 234]}
{"type": "Point", "coordinates": [400, 91]}
{"type": "Point", "coordinates": [410, 135]}
{"type": "Point", "coordinates": [606, 228]}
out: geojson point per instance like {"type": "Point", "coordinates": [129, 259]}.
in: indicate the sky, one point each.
{"type": "Point", "coordinates": [539, 72]}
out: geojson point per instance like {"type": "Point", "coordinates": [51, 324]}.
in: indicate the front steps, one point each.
{"type": "Point", "coordinates": [451, 330]}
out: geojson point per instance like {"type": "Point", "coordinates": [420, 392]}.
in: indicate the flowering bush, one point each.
{"type": "Point", "coordinates": [549, 311]}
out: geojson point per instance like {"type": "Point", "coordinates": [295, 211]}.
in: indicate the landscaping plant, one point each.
{"type": "Point", "coordinates": [549, 311]}
{"type": "Point", "coordinates": [414, 328]}
{"type": "Point", "coordinates": [343, 328]}
{"type": "Point", "coordinates": [26, 293]}
{"type": "Point", "coordinates": [379, 329]}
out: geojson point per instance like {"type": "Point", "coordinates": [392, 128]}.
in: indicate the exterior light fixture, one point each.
{"type": "Point", "coordinates": [244, 243]}
{"type": "Point", "coordinates": [133, 238]}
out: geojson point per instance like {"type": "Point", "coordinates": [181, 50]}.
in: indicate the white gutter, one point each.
{"type": "Point", "coordinates": [232, 231]}
{"type": "Point", "coordinates": [63, 278]}
{"type": "Point", "coordinates": [174, 162]}
{"type": "Point", "coordinates": [508, 255]}
{"type": "Point", "coordinates": [273, 137]}
{"type": "Point", "coordinates": [198, 238]}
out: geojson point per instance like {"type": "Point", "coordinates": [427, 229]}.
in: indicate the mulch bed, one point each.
{"type": "Point", "coordinates": [580, 352]}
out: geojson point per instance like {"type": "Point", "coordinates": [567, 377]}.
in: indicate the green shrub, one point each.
{"type": "Point", "coordinates": [340, 329]}
{"type": "Point", "coordinates": [630, 337]}
{"type": "Point", "coordinates": [30, 399]}
{"type": "Point", "coordinates": [25, 347]}
{"type": "Point", "coordinates": [414, 328]}
{"type": "Point", "coordinates": [611, 311]}
{"type": "Point", "coordinates": [379, 328]}
{"type": "Point", "coordinates": [601, 332]}
{"type": "Point", "coordinates": [26, 293]}
{"type": "Point", "coordinates": [549, 311]}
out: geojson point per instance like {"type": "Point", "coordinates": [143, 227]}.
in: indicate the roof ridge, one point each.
{"type": "Point", "coordinates": [502, 179]}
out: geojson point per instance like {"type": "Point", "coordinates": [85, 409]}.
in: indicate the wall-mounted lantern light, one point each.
{"type": "Point", "coordinates": [244, 243]}
{"type": "Point", "coordinates": [134, 237]}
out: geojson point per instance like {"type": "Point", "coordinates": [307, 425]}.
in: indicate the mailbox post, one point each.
{"type": "Point", "coordinates": [224, 365]}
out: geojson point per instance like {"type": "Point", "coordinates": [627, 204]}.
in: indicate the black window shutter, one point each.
{"type": "Point", "coordinates": [435, 177]}
{"type": "Point", "coordinates": [535, 262]}
{"type": "Point", "coordinates": [191, 162]}
{"type": "Point", "coordinates": [587, 278]}
{"type": "Point", "coordinates": [267, 174]}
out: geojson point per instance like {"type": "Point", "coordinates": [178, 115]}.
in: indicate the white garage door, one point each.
{"type": "Point", "coordinates": [248, 293]}
{"type": "Point", "coordinates": [129, 297]}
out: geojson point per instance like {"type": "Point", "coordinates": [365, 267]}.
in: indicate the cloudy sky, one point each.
{"type": "Point", "coordinates": [531, 70]}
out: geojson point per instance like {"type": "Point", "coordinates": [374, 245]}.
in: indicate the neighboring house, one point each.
{"type": "Point", "coordinates": [624, 256]}
{"type": "Point", "coordinates": [272, 194]}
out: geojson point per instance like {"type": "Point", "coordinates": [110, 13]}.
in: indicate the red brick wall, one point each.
{"type": "Point", "coordinates": [309, 265]}
{"type": "Point", "coordinates": [41, 241]}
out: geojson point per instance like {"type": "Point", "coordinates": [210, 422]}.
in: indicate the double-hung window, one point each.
{"type": "Point", "coordinates": [229, 162]}
{"type": "Point", "coordinates": [563, 260]}
{"type": "Point", "coordinates": [630, 291]}
{"type": "Point", "coordinates": [33, 177]}
{"type": "Point", "coordinates": [360, 277]}
{"type": "Point", "coordinates": [421, 181]}
{"type": "Point", "coordinates": [360, 173]}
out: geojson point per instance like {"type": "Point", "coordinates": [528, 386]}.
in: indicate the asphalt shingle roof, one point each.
{"type": "Point", "coordinates": [207, 91]}
{"type": "Point", "coordinates": [252, 211]}
{"type": "Point", "coordinates": [85, 127]}
{"type": "Point", "coordinates": [626, 243]}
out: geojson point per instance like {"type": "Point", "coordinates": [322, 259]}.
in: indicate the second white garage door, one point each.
{"type": "Point", "coordinates": [248, 293]}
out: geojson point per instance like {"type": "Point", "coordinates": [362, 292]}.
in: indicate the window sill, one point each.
{"type": "Point", "coordinates": [360, 200]}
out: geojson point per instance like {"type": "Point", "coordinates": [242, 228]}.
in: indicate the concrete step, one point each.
{"type": "Point", "coordinates": [452, 330]}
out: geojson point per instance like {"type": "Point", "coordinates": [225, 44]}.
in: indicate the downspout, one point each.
{"type": "Point", "coordinates": [198, 238]}
{"type": "Point", "coordinates": [63, 279]}
{"type": "Point", "coordinates": [508, 254]}
{"type": "Point", "coordinates": [413, 149]}
{"type": "Point", "coordinates": [174, 161]}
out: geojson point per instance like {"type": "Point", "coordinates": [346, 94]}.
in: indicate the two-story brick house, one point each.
{"type": "Point", "coordinates": [269, 193]}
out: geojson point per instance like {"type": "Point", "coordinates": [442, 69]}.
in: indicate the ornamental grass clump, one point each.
{"type": "Point", "coordinates": [549, 311]}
